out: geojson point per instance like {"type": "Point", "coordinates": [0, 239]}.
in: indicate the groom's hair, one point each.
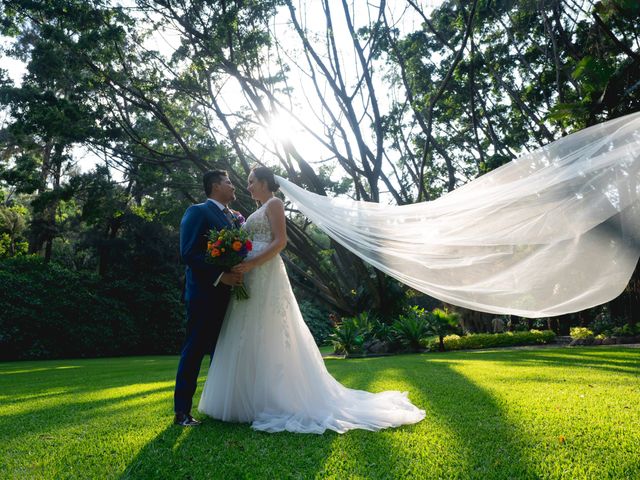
{"type": "Point", "coordinates": [211, 177]}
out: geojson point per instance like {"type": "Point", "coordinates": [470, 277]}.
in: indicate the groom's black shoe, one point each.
{"type": "Point", "coordinates": [185, 420]}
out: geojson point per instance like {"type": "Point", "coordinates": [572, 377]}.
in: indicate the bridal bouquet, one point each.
{"type": "Point", "coordinates": [227, 248]}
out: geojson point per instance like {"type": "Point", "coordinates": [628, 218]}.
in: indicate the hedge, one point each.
{"type": "Point", "coordinates": [490, 340]}
{"type": "Point", "coordinates": [48, 311]}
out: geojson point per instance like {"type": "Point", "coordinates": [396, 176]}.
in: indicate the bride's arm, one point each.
{"type": "Point", "coordinates": [275, 213]}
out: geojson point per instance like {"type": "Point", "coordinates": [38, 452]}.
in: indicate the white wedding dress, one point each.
{"type": "Point", "coordinates": [268, 371]}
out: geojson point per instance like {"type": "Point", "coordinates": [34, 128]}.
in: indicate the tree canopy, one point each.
{"type": "Point", "coordinates": [392, 102]}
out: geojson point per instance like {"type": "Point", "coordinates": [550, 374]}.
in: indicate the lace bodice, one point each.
{"type": "Point", "coordinates": [258, 226]}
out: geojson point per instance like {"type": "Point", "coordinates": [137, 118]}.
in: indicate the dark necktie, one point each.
{"type": "Point", "coordinates": [227, 213]}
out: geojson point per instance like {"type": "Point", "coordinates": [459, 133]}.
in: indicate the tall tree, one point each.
{"type": "Point", "coordinates": [54, 108]}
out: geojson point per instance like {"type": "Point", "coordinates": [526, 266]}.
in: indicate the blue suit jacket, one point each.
{"type": "Point", "coordinates": [194, 227]}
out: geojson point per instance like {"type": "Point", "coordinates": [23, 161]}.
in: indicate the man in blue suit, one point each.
{"type": "Point", "coordinates": [207, 287]}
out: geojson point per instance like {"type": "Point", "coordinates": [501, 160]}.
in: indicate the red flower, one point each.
{"type": "Point", "coordinates": [248, 245]}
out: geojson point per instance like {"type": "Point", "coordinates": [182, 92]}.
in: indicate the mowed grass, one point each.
{"type": "Point", "coordinates": [513, 413]}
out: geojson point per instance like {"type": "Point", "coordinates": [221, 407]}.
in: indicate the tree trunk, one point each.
{"type": "Point", "coordinates": [627, 304]}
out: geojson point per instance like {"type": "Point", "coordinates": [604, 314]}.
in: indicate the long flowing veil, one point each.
{"type": "Point", "coordinates": [552, 232]}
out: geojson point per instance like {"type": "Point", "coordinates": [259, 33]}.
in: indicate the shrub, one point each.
{"type": "Point", "coordinates": [359, 333]}
{"type": "Point", "coordinates": [624, 331]}
{"type": "Point", "coordinates": [375, 332]}
{"type": "Point", "coordinates": [490, 340]}
{"type": "Point", "coordinates": [581, 333]}
{"type": "Point", "coordinates": [411, 329]}
{"type": "Point", "coordinates": [442, 322]}
{"type": "Point", "coordinates": [365, 322]}
{"type": "Point", "coordinates": [603, 323]}
{"type": "Point", "coordinates": [346, 337]}
{"type": "Point", "coordinates": [383, 332]}
{"type": "Point", "coordinates": [317, 320]}
{"type": "Point", "coordinates": [520, 324]}
{"type": "Point", "coordinates": [48, 311]}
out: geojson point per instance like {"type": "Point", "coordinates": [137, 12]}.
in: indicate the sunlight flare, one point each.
{"type": "Point", "coordinates": [281, 127]}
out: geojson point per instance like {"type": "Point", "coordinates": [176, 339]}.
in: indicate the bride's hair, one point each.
{"type": "Point", "coordinates": [264, 174]}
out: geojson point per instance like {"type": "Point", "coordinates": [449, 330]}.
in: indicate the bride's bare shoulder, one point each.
{"type": "Point", "coordinates": [274, 206]}
{"type": "Point", "coordinates": [275, 201]}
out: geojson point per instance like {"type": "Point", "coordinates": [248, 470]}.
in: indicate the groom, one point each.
{"type": "Point", "coordinates": [207, 287]}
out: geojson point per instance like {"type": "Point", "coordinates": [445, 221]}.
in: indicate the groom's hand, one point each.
{"type": "Point", "coordinates": [233, 279]}
{"type": "Point", "coordinates": [243, 267]}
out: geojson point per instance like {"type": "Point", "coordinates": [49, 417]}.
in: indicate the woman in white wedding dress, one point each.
{"type": "Point", "coordinates": [267, 369]}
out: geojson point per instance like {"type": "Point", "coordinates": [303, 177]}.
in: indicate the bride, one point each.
{"type": "Point", "coordinates": [267, 369]}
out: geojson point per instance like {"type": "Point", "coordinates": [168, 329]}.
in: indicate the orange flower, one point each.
{"type": "Point", "coordinates": [209, 245]}
{"type": "Point", "coordinates": [237, 245]}
{"type": "Point", "coordinates": [215, 252]}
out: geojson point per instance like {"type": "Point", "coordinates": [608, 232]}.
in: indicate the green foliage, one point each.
{"type": "Point", "coordinates": [48, 311]}
{"type": "Point", "coordinates": [626, 331]}
{"type": "Point", "coordinates": [528, 74]}
{"type": "Point", "coordinates": [608, 326]}
{"type": "Point", "coordinates": [13, 221]}
{"type": "Point", "coordinates": [317, 319]}
{"type": "Point", "coordinates": [347, 337]}
{"type": "Point", "coordinates": [581, 333]}
{"type": "Point", "coordinates": [11, 248]}
{"type": "Point", "coordinates": [442, 322]}
{"type": "Point", "coordinates": [366, 323]}
{"type": "Point", "coordinates": [385, 299]}
{"type": "Point", "coordinates": [383, 332]}
{"type": "Point", "coordinates": [491, 340]}
{"type": "Point", "coordinates": [357, 334]}
{"type": "Point", "coordinates": [412, 328]}
{"type": "Point", "coordinates": [413, 331]}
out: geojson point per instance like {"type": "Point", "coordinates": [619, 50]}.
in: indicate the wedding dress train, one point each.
{"type": "Point", "coordinates": [268, 370]}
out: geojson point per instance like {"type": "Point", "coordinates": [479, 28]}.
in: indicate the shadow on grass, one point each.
{"type": "Point", "coordinates": [625, 361]}
{"type": "Point", "coordinates": [228, 450]}
{"type": "Point", "coordinates": [491, 445]}
{"type": "Point", "coordinates": [50, 397]}
{"type": "Point", "coordinates": [466, 434]}
{"type": "Point", "coordinates": [57, 417]}
{"type": "Point", "coordinates": [83, 375]}
{"type": "Point", "coordinates": [478, 439]}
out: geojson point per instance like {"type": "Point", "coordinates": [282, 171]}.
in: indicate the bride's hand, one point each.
{"type": "Point", "coordinates": [243, 267]}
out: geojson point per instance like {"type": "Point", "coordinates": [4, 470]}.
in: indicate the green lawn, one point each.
{"type": "Point", "coordinates": [546, 413]}
{"type": "Point", "coordinates": [326, 349]}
